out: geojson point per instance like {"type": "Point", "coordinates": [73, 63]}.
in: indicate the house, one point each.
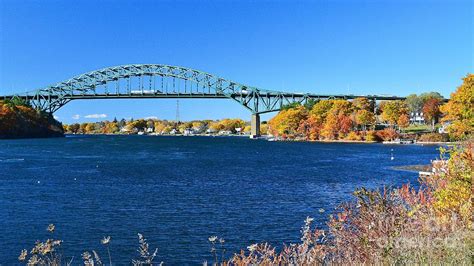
{"type": "Point", "coordinates": [210, 131]}
{"type": "Point", "coordinates": [417, 118]}
{"type": "Point", "coordinates": [444, 127]}
{"type": "Point", "coordinates": [225, 132]}
{"type": "Point", "coordinates": [188, 131]}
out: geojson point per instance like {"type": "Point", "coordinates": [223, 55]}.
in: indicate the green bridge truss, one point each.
{"type": "Point", "coordinates": [164, 81]}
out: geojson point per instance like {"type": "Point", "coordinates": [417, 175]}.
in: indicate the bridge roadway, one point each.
{"type": "Point", "coordinates": [153, 81]}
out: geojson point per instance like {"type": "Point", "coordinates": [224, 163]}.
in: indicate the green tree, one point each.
{"type": "Point", "coordinates": [310, 103]}
{"type": "Point", "coordinates": [290, 106]}
{"type": "Point", "coordinates": [414, 103]}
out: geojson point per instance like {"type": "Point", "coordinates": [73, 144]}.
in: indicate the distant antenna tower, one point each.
{"type": "Point", "coordinates": [177, 112]}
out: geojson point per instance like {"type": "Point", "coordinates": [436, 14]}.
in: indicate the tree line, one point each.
{"type": "Point", "coordinates": [361, 119]}
{"type": "Point", "coordinates": [131, 126]}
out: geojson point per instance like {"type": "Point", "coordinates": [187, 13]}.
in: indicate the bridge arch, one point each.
{"type": "Point", "coordinates": [140, 81]}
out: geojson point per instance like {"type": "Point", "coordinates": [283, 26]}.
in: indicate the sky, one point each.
{"type": "Point", "coordinates": [336, 47]}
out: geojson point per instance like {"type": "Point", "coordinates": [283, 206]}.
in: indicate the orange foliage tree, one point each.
{"type": "Point", "coordinates": [431, 111]}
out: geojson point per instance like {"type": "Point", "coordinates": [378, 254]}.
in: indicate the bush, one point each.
{"type": "Point", "coordinates": [353, 136]}
{"type": "Point", "coordinates": [387, 134]}
{"type": "Point", "coordinates": [434, 137]}
{"type": "Point", "coordinates": [371, 136]}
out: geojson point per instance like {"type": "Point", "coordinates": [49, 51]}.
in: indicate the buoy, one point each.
{"type": "Point", "coordinates": [75, 179]}
{"type": "Point", "coordinates": [39, 182]}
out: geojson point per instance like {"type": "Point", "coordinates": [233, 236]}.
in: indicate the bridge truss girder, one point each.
{"type": "Point", "coordinates": [140, 81]}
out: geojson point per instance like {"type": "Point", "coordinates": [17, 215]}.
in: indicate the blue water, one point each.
{"type": "Point", "coordinates": [178, 191]}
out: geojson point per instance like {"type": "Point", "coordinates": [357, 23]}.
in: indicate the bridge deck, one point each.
{"type": "Point", "coordinates": [202, 96]}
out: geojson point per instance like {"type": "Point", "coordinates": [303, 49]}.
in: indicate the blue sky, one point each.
{"type": "Point", "coordinates": [356, 47]}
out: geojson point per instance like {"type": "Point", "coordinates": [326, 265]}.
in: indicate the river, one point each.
{"type": "Point", "coordinates": [178, 191]}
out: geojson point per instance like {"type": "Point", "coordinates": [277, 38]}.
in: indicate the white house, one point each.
{"type": "Point", "coordinates": [444, 127]}
{"type": "Point", "coordinates": [417, 118]}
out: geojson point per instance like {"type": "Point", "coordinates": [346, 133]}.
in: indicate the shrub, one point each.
{"type": "Point", "coordinates": [387, 134]}
{"type": "Point", "coordinates": [371, 136]}
{"type": "Point", "coordinates": [353, 136]}
{"type": "Point", "coordinates": [433, 137]}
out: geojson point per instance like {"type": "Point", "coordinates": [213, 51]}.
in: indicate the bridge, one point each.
{"type": "Point", "coordinates": [144, 81]}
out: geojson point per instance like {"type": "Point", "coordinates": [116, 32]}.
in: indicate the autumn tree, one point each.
{"type": "Point", "coordinates": [216, 126]}
{"type": "Point", "coordinates": [392, 110]}
{"type": "Point", "coordinates": [430, 95]}
{"type": "Point", "coordinates": [330, 127]}
{"type": "Point", "coordinates": [431, 111]}
{"type": "Point", "coordinates": [364, 118]}
{"type": "Point", "coordinates": [232, 124]}
{"type": "Point", "coordinates": [111, 128]}
{"type": "Point", "coordinates": [74, 128]}
{"type": "Point", "coordinates": [89, 128]}
{"type": "Point", "coordinates": [460, 110]}
{"type": "Point", "coordinates": [338, 121]}
{"type": "Point", "coordinates": [312, 126]}
{"type": "Point", "coordinates": [82, 128]}
{"type": "Point", "coordinates": [263, 129]}
{"type": "Point", "coordinates": [287, 121]}
{"type": "Point", "coordinates": [362, 103]}
{"type": "Point", "coordinates": [403, 121]}
{"type": "Point", "coordinates": [138, 125]}
{"type": "Point", "coordinates": [199, 126]}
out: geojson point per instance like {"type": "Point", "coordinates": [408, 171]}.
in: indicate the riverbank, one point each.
{"type": "Point", "coordinates": [367, 142]}
{"type": "Point", "coordinates": [19, 120]}
{"type": "Point", "coordinates": [264, 137]}
{"type": "Point", "coordinates": [414, 168]}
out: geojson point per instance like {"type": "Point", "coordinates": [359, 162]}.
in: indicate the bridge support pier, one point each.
{"type": "Point", "coordinates": [255, 126]}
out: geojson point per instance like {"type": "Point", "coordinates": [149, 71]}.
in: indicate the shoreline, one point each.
{"type": "Point", "coordinates": [267, 137]}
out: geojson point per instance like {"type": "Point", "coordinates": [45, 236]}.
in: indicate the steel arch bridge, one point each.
{"type": "Point", "coordinates": [165, 81]}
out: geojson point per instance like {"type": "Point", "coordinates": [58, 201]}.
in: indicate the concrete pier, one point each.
{"type": "Point", "coordinates": [255, 126]}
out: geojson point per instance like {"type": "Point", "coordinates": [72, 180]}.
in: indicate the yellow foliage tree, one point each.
{"type": "Point", "coordinates": [392, 110]}
{"type": "Point", "coordinates": [287, 121]}
{"type": "Point", "coordinates": [460, 110]}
